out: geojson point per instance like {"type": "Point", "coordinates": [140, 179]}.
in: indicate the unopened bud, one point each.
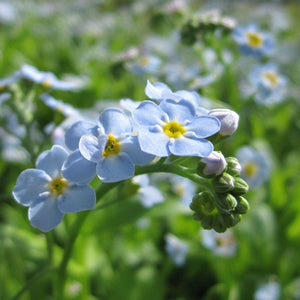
{"type": "Point", "coordinates": [240, 187]}
{"type": "Point", "coordinates": [231, 220]}
{"type": "Point", "coordinates": [233, 166]}
{"type": "Point", "coordinates": [226, 204]}
{"type": "Point", "coordinates": [242, 206]}
{"type": "Point", "coordinates": [203, 202]}
{"type": "Point", "coordinates": [218, 223]}
{"type": "Point", "coordinates": [224, 183]}
{"type": "Point", "coordinates": [213, 164]}
{"type": "Point", "coordinates": [206, 221]}
{"type": "Point", "coordinates": [229, 120]}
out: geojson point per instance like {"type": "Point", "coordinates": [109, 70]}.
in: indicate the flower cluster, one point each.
{"type": "Point", "coordinates": [170, 125]}
{"type": "Point", "coordinates": [221, 206]}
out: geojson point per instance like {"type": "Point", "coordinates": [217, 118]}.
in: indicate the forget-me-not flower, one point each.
{"type": "Point", "coordinates": [46, 79]}
{"type": "Point", "coordinates": [65, 108]}
{"type": "Point", "coordinates": [176, 248]}
{"type": "Point", "coordinates": [256, 165]}
{"type": "Point", "coordinates": [221, 244]}
{"type": "Point", "coordinates": [48, 194]}
{"type": "Point", "coordinates": [116, 149]}
{"type": "Point", "coordinates": [253, 41]}
{"type": "Point", "coordinates": [147, 194]}
{"type": "Point", "coordinates": [269, 84]}
{"type": "Point", "coordinates": [172, 127]}
{"type": "Point", "coordinates": [268, 291]}
{"type": "Point", "coordinates": [146, 63]}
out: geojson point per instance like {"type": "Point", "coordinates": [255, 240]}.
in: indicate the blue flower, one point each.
{"type": "Point", "coordinates": [48, 194]}
{"type": "Point", "coordinates": [256, 165]}
{"type": "Point", "coordinates": [146, 63]}
{"type": "Point", "coordinates": [66, 109]}
{"type": "Point", "coordinates": [184, 188]}
{"type": "Point", "coordinates": [46, 79]}
{"type": "Point", "coordinates": [221, 244]}
{"type": "Point", "coordinates": [172, 127]}
{"type": "Point", "coordinates": [115, 150]}
{"type": "Point", "coordinates": [253, 41]}
{"type": "Point", "coordinates": [268, 291]}
{"type": "Point", "coordinates": [177, 249]}
{"type": "Point", "coordinates": [160, 91]}
{"type": "Point", "coordinates": [148, 194]}
{"type": "Point", "coordinates": [269, 85]}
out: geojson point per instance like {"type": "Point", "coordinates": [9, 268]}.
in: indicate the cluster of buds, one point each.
{"type": "Point", "coordinates": [223, 205]}
{"type": "Point", "coordinates": [199, 25]}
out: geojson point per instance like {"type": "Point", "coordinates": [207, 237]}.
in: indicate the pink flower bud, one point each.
{"type": "Point", "coordinates": [229, 120]}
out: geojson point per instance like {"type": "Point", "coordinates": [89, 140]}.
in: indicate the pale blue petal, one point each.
{"type": "Point", "coordinates": [132, 147]}
{"type": "Point", "coordinates": [77, 169]}
{"type": "Point", "coordinates": [89, 147]}
{"type": "Point", "coordinates": [190, 147]}
{"type": "Point", "coordinates": [148, 114]}
{"type": "Point", "coordinates": [141, 180]}
{"type": "Point", "coordinates": [204, 126]}
{"type": "Point", "coordinates": [115, 168]}
{"type": "Point", "coordinates": [129, 104]}
{"type": "Point", "coordinates": [52, 160]}
{"type": "Point", "coordinates": [31, 73]}
{"type": "Point", "coordinates": [180, 111]}
{"type": "Point", "coordinates": [76, 131]}
{"type": "Point", "coordinates": [154, 91]}
{"type": "Point", "coordinates": [30, 184]}
{"type": "Point", "coordinates": [63, 85]}
{"type": "Point", "coordinates": [115, 122]}
{"type": "Point", "coordinates": [190, 96]}
{"type": "Point", "coordinates": [44, 213]}
{"type": "Point", "coordinates": [154, 142]}
{"type": "Point", "coordinates": [77, 198]}
{"type": "Point", "coordinates": [149, 196]}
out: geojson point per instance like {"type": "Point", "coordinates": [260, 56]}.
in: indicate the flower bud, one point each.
{"type": "Point", "coordinates": [242, 206]}
{"type": "Point", "coordinates": [218, 223]}
{"type": "Point", "coordinates": [224, 183]}
{"type": "Point", "coordinates": [203, 203]}
{"type": "Point", "coordinates": [213, 164]}
{"type": "Point", "coordinates": [229, 120]}
{"type": "Point", "coordinates": [231, 220]}
{"type": "Point", "coordinates": [226, 204]}
{"type": "Point", "coordinates": [240, 187]}
{"type": "Point", "coordinates": [233, 166]}
{"type": "Point", "coordinates": [206, 221]}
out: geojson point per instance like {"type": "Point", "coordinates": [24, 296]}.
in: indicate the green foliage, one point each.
{"type": "Point", "coordinates": [120, 250]}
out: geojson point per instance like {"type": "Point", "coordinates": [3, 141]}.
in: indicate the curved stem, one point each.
{"type": "Point", "coordinates": [73, 234]}
{"type": "Point", "coordinates": [104, 188]}
{"type": "Point", "coordinates": [174, 169]}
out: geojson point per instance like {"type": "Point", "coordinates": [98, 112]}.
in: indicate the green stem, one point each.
{"type": "Point", "coordinates": [174, 169]}
{"type": "Point", "coordinates": [32, 281]}
{"type": "Point", "coordinates": [73, 234]}
{"type": "Point", "coordinates": [104, 188]}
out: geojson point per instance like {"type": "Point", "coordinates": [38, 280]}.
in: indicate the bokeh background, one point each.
{"type": "Point", "coordinates": [110, 49]}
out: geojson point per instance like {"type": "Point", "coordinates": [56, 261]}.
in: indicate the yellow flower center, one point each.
{"type": "Point", "coordinates": [144, 61]}
{"type": "Point", "coordinates": [250, 169]}
{"type": "Point", "coordinates": [46, 84]}
{"type": "Point", "coordinates": [254, 40]}
{"type": "Point", "coordinates": [271, 77]}
{"type": "Point", "coordinates": [58, 185]}
{"type": "Point", "coordinates": [112, 146]}
{"type": "Point", "coordinates": [173, 129]}
{"type": "Point", "coordinates": [2, 87]}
